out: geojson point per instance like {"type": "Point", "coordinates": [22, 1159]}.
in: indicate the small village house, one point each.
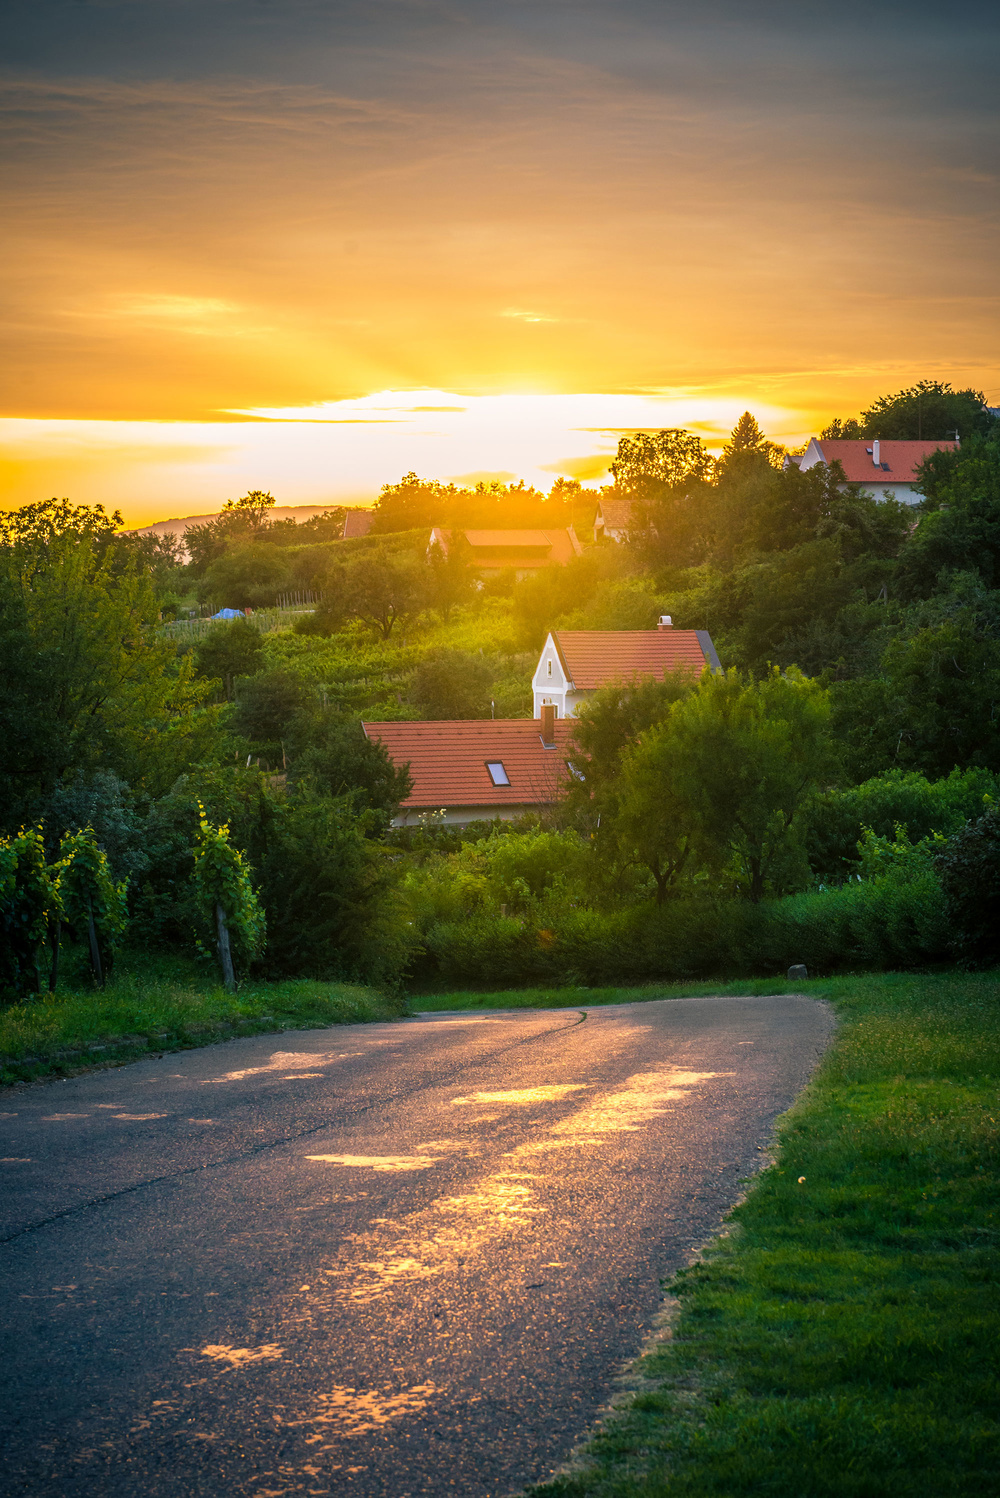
{"type": "Point", "coordinates": [476, 770]}
{"type": "Point", "coordinates": [523, 550]}
{"type": "Point", "coordinates": [613, 519]}
{"type": "Point", "coordinates": [886, 468]}
{"type": "Point", "coordinates": [575, 663]}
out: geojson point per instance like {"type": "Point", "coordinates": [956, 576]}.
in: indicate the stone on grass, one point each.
{"type": "Point", "coordinates": [798, 970]}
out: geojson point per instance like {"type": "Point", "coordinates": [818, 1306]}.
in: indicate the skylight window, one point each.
{"type": "Point", "coordinates": [498, 774]}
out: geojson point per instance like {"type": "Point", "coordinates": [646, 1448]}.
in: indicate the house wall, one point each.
{"type": "Point", "coordinates": [907, 494]}
{"type": "Point", "coordinates": [549, 683]}
{"type": "Point", "coordinates": [460, 816]}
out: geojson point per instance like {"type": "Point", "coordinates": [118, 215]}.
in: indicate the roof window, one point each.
{"type": "Point", "coordinates": [498, 774]}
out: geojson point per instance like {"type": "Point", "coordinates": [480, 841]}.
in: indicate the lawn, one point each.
{"type": "Point", "coordinates": [159, 1003]}
{"type": "Point", "coordinates": [840, 1340]}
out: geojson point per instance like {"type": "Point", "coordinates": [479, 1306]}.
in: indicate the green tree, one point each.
{"type": "Point", "coordinates": [240, 523]}
{"type": "Point", "coordinates": [245, 577]}
{"type": "Point", "coordinates": [746, 755]}
{"type": "Point", "coordinates": [452, 684]}
{"type": "Point", "coordinates": [747, 444]}
{"type": "Point", "coordinates": [451, 581]}
{"type": "Point", "coordinates": [30, 908]}
{"type": "Point", "coordinates": [90, 682]}
{"type": "Point", "coordinates": [930, 411]}
{"type": "Point", "coordinates": [653, 822]}
{"type": "Point", "coordinates": [380, 587]}
{"type": "Point", "coordinates": [671, 458]}
{"type": "Point", "coordinates": [227, 902]}
{"type": "Point", "coordinates": [332, 754]}
{"type": "Point", "coordinates": [229, 651]}
{"type": "Point", "coordinates": [94, 906]}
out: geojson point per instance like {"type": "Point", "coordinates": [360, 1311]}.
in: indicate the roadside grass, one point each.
{"type": "Point", "coordinates": [574, 997]}
{"type": "Point", "coordinates": [160, 1003]}
{"type": "Point", "coordinates": [840, 1339]}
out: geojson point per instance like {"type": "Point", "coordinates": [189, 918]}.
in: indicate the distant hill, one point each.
{"type": "Point", "coordinates": [298, 513]}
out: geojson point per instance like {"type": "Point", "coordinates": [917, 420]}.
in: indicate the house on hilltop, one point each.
{"type": "Point", "coordinates": [524, 550]}
{"type": "Point", "coordinates": [475, 770]}
{"type": "Point", "coordinates": [575, 663]}
{"type": "Point", "coordinates": [613, 519]}
{"type": "Point", "coordinates": [888, 467]}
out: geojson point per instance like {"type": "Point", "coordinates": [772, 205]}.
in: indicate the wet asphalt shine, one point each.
{"type": "Point", "coordinates": [383, 1260]}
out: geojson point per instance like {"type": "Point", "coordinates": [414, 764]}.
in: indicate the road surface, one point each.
{"type": "Point", "coordinates": [389, 1260]}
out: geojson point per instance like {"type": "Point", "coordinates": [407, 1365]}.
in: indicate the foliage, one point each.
{"type": "Point", "coordinates": [228, 651]}
{"type": "Point", "coordinates": [246, 576]}
{"type": "Point", "coordinates": [29, 905]}
{"type": "Point", "coordinates": [329, 894]}
{"type": "Point", "coordinates": [89, 684]}
{"type": "Point", "coordinates": [837, 818]}
{"type": "Point", "coordinates": [221, 877]}
{"type": "Point", "coordinates": [379, 587]}
{"type": "Point", "coordinates": [451, 581]}
{"type": "Point", "coordinates": [103, 801]}
{"type": "Point", "coordinates": [745, 755]}
{"type": "Point", "coordinates": [89, 894]}
{"type": "Point", "coordinates": [930, 410]}
{"type": "Point", "coordinates": [331, 753]}
{"type": "Point", "coordinates": [969, 870]}
{"type": "Point", "coordinates": [452, 684]}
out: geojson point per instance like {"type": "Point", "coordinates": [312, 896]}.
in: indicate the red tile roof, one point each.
{"type": "Point", "coordinates": [516, 548]}
{"type": "Point", "coordinates": [594, 658]}
{"type": "Point", "coordinates": [857, 460]}
{"type": "Point", "coordinates": [447, 760]}
{"type": "Point", "coordinates": [616, 513]}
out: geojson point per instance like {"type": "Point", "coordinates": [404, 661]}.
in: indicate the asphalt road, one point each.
{"type": "Point", "coordinates": [385, 1259]}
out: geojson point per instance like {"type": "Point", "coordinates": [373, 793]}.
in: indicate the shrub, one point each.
{"type": "Point", "coordinates": [29, 903]}
{"type": "Point", "coordinates": [93, 905]}
{"type": "Point", "coordinates": [969, 869]}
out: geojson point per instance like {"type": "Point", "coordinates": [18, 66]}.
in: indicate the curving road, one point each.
{"type": "Point", "coordinates": [385, 1259]}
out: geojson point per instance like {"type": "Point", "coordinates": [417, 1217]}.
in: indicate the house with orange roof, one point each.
{"type": "Point", "coordinates": [523, 550]}
{"type": "Point", "coordinates": [478, 769]}
{"type": "Point", "coordinates": [575, 663]}
{"type": "Point", "coordinates": [885, 467]}
{"type": "Point", "coordinates": [612, 519]}
{"type": "Point", "coordinates": [357, 523]}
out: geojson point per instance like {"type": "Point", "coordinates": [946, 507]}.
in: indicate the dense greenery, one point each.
{"type": "Point", "coordinates": [824, 800]}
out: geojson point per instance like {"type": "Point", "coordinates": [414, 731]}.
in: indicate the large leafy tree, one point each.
{"type": "Point", "coordinates": [89, 682]}
{"type": "Point", "coordinates": [930, 410]}
{"type": "Point", "coordinates": [740, 756]}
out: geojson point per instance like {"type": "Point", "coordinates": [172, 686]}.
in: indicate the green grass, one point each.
{"type": "Point", "coordinates": [575, 997]}
{"type": "Point", "coordinates": [840, 1341]}
{"type": "Point", "coordinates": [163, 1004]}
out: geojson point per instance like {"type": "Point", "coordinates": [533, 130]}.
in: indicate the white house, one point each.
{"type": "Point", "coordinates": [612, 519]}
{"type": "Point", "coordinates": [575, 663]}
{"type": "Point", "coordinates": [885, 467]}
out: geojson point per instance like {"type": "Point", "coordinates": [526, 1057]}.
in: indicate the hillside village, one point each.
{"type": "Point", "coordinates": [437, 728]}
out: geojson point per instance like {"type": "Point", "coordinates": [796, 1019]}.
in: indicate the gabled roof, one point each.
{"type": "Point", "coordinates": [596, 657]}
{"type": "Point", "coordinates": [448, 760]}
{"type": "Point", "coordinates": [898, 461]}
{"type": "Point", "coordinates": [357, 523]}
{"type": "Point", "coordinates": [499, 548]}
{"type": "Point", "coordinates": [615, 513]}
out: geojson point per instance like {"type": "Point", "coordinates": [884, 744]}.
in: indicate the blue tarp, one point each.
{"type": "Point", "coordinates": [228, 614]}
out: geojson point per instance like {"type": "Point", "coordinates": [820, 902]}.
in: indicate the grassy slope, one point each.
{"type": "Point", "coordinates": [841, 1340]}
{"type": "Point", "coordinates": [163, 1004]}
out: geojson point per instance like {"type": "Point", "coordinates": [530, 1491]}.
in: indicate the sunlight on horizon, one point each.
{"type": "Point", "coordinates": [344, 451]}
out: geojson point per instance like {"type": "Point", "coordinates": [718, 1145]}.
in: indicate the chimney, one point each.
{"type": "Point", "coordinates": [548, 725]}
{"type": "Point", "coordinates": [876, 455]}
{"type": "Point", "coordinates": [666, 622]}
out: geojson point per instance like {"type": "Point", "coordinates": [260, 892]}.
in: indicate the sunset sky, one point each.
{"type": "Point", "coordinates": [307, 246]}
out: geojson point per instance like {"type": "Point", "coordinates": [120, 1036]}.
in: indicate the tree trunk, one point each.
{"type": "Point", "coordinates": [54, 969]}
{"type": "Point", "coordinates": [95, 946]}
{"type": "Point", "coordinates": [225, 955]}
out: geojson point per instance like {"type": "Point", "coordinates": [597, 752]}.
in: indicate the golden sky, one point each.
{"type": "Point", "coordinates": [565, 218]}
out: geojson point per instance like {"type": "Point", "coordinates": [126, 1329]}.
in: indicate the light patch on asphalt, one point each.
{"type": "Point", "coordinates": [15, 1160]}
{"type": "Point", "coordinates": [523, 1095]}
{"type": "Point", "coordinates": [59, 1117]}
{"type": "Point", "coordinates": [238, 1357]}
{"type": "Point", "coordinates": [381, 1162]}
{"type": "Point", "coordinates": [283, 1061]}
{"type": "Point", "coordinates": [300, 1076]}
{"type": "Point", "coordinates": [356, 1412]}
{"type": "Point", "coordinates": [641, 1099]}
{"type": "Point", "coordinates": [140, 1117]}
